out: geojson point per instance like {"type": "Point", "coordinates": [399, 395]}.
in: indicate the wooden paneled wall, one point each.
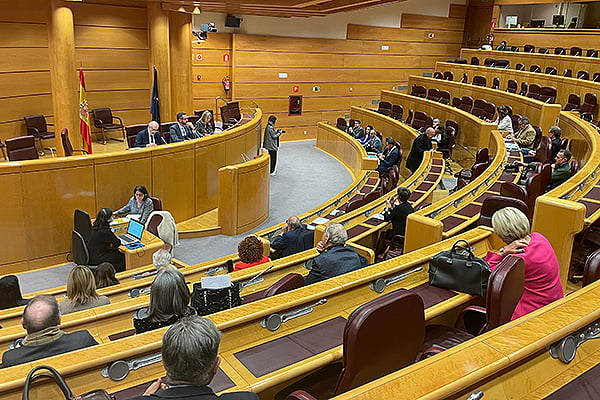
{"type": "Point", "coordinates": [111, 45]}
{"type": "Point", "coordinates": [24, 65]}
{"type": "Point", "coordinates": [211, 62]}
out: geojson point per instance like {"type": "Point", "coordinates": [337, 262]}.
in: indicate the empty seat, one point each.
{"type": "Point", "coordinates": [535, 68]}
{"type": "Point", "coordinates": [494, 203]}
{"type": "Point", "coordinates": [419, 120]}
{"type": "Point", "coordinates": [433, 94]}
{"type": "Point", "coordinates": [533, 91]}
{"type": "Point", "coordinates": [576, 51]}
{"type": "Point", "coordinates": [567, 73]}
{"type": "Point", "coordinates": [474, 60]}
{"type": "Point", "coordinates": [478, 108]}
{"type": "Point", "coordinates": [460, 61]}
{"type": "Point", "coordinates": [543, 50]}
{"type": "Point", "coordinates": [489, 111]}
{"type": "Point", "coordinates": [419, 91]}
{"type": "Point", "coordinates": [21, 148]}
{"type": "Point", "coordinates": [489, 62]}
{"type": "Point", "coordinates": [591, 53]}
{"type": "Point", "coordinates": [479, 80]}
{"type": "Point", "coordinates": [444, 97]}
{"type": "Point", "coordinates": [502, 63]}
{"type": "Point", "coordinates": [529, 48]}
{"type": "Point", "coordinates": [466, 103]}
{"type": "Point", "coordinates": [37, 126]}
{"type": "Point", "coordinates": [591, 269]}
{"type": "Point", "coordinates": [481, 157]}
{"type": "Point", "coordinates": [496, 83]}
{"type": "Point", "coordinates": [438, 75]}
{"type": "Point", "coordinates": [448, 76]}
{"type": "Point", "coordinates": [511, 86]}
{"type": "Point", "coordinates": [341, 124]}
{"type": "Point", "coordinates": [561, 51]}
{"type": "Point", "coordinates": [397, 112]}
{"type": "Point", "coordinates": [288, 282]}
{"type": "Point", "coordinates": [66, 142]}
{"type": "Point", "coordinates": [596, 77]}
{"type": "Point", "coordinates": [551, 71]}
{"type": "Point", "coordinates": [583, 75]}
{"type": "Point", "coordinates": [105, 121]}
{"type": "Point", "coordinates": [465, 78]}
{"type": "Point", "coordinates": [520, 67]}
{"type": "Point", "coordinates": [588, 108]}
{"type": "Point", "coordinates": [456, 101]}
{"type": "Point", "coordinates": [547, 94]}
{"type": "Point", "coordinates": [385, 108]}
{"type": "Point", "coordinates": [409, 117]}
{"type": "Point", "coordinates": [524, 88]}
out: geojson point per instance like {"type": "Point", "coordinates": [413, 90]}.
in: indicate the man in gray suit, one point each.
{"type": "Point", "coordinates": [182, 130]}
{"type": "Point", "coordinates": [271, 141]}
{"type": "Point", "coordinates": [41, 319]}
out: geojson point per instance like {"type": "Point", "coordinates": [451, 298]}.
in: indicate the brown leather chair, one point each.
{"type": "Point", "coordinates": [561, 51]}
{"type": "Point", "coordinates": [588, 108]}
{"type": "Point", "coordinates": [460, 61]}
{"type": "Point", "coordinates": [157, 203]}
{"type": "Point", "coordinates": [550, 71]}
{"type": "Point", "coordinates": [419, 91]}
{"type": "Point", "coordinates": [543, 50]}
{"type": "Point", "coordinates": [502, 63]}
{"type": "Point", "coordinates": [489, 111]}
{"type": "Point", "coordinates": [504, 290]}
{"type": "Point", "coordinates": [481, 156]}
{"type": "Point", "coordinates": [538, 137]}
{"type": "Point", "coordinates": [489, 62]}
{"type": "Point", "coordinates": [448, 76]}
{"type": "Point", "coordinates": [520, 67]}
{"type": "Point", "coordinates": [38, 127]}
{"type": "Point", "coordinates": [535, 68]}
{"type": "Point", "coordinates": [370, 351]}
{"type": "Point", "coordinates": [534, 91]}
{"type": "Point", "coordinates": [193, 119]}
{"type": "Point", "coordinates": [591, 53]}
{"type": "Point", "coordinates": [385, 108]}
{"type": "Point", "coordinates": [596, 77]}
{"type": "Point", "coordinates": [230, 114]}
{"type": "Point", "coordinates": [131, 132]}
{"type": "Point", "coordinates": [474, 60]}
{"type": "Point", "coordinates": [419, 120]}
{"type": "Point", "coordinates": [576, 51]}
{"type": "Point", "coordinates": [479, 80]}
{"type": "Point", "coordinates": [289, 282]}
{"type": "Point", "coordinates": [494, 203]}
{"type": "Point", "coordinates": [21, 148]}
{"type": "Point", "coordinates": [567, 73]}
{"type": "Point", "coordinates": [496, 83]}
{"type": "Point", "coordinates": [466, 103]}
{"type": "Point", "coordinates": [574, 167]}
{"type": "Point", "coordinates": [465, 78]}
{"type": "Point", "coordinates": [524, 88]}
{"type": "Point", "coordinates": [511, 86]}
{"type": "Point", "coordinates": [444, 96]}
{"type": "Point", "coordinates": [478, 108]}
{"type": "Point", "coordinates": [585, 75]}
{"type": "Point", "coordinates": [528, 194]}
{"type": "Point", "coordinates": [470, 174]}
{"type": "Point", "coordinates": [105, 121]}
{"type": "Point", "coordinates": [66, 143]}
{"type": "Point", "coordinates": [591, 269]}
{"type": "Point", "coordinates": [547, 94]}
{"type": "Point", "coordinates": [397, 112]}
{"type": "Point", "coordinates": [433, 94]}
{"type": "Point", "coordinates": [529, 48]}
{"type": "Point", "coordinates": [153, 224]}
{"type": "Point", "coordinates": [409, 117]}
{"type": "Point", "coordinates": [438, 75]}
{"type": "Point", "coordinates": [341, 124]}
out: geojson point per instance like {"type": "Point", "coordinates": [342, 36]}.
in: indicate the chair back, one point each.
{"type": "Point", "coordinates": [482, 155]}
{"type": "Point", "coordinates": [479, 80]}
{"type": "Point", "coordinates": [535, 68]}
{"type": "Point", "coordinates": [524, 87]}
{"type": "Point", "coordinates": [591, 269]}
{"type": "Point", "coordinates": [502, 63]}
{"type": "Point", "coordinates": [444, 97]}
{"type": "Point", "coordinates": [489, 111]}
{"type": "Point", "coordinates": [551, 71]}
{"type": "Point", "coordinates": [66, 143]}
{"type": "Point", "coordinates": [489, 62]}
{"type": "Point", "coordinates": [574, 167]}
{"type": "Point", "coordinates": [21, 148]}
{"type": "Point", "coordinates": [544, 153]}
{"type": "Point", "coordinates": [534, 90]}
{"type": "Point", "coordinates": [591, 53]}
{"type": "Point", "coordinates": [511, 86]}
{"type": "Point", "coordinates": [514, 48]}
{"type": "Point", "coordinates": [82, 224]}
{"type": "Point", "coordinates": [533, 189]}
{"type": "Point", "coordinates": [510, 189]}
{"type": "Point", "coordinates": [157, 203]}
{"type": "Point", "coordinates": [567, 73]}
{"type": "Point", "coordinates": [35, 124]}
{"type": "Point", "coordinates": [583, 75]}
{"type": "Point", "coordinates": [289, 282]}
{"type": "Point", "coordinates": [448, 76]}
{"type": "Point", "coordinates": [372, 196]}
{"type": "Point", "coordinates": [596, 77]}
{"type": "Point", "coordinates": [504, 290]}
{"type": "Point", "coordinates": [538, 136]}
{"type": "Point", "coordinates": [81, 255]}
{"type": "Point", "coordinates": [496, 83]}
{"type": "Point", "coordinates": [438, 75]}
{"type": "Point", "coordinates": [419, 120]}
{"type": "Point", "coordinates": [419, 91]}
{"type": "Point", "coordinates": [573, 102]}
{"type": "Point", "coordinates": [341, 124]}
{"type": "Point", "coordinates": [477, 169]}
{"type": "Point", "coordinates": [520, 67]}
{"type": "Point", "coordinates": [397, 112]}
{"type": "Point", "coordinates": [433, 94]}
{"type": "Point", "coordinates": [494, 203]}
{"type": "Point", "coordinates": [543, 50]}
{"type": "Point", "coordinates": [409, 117]}
{"type": "Point", "coordinates": [576, 51]}
{"type": "Point", "coordinates": [153, 223]}
{"type": "Point", "coordinates": [474, 60]}
{"type": "Point", "coordinates": [450, 123]}
{"type": "Point", "coordinates": [547, 94]}
{"type": "Point", "coordinates": [478, 110]}
{"type": "Point", "coordinates": [466, 103]}
{"type": "Point", "coordinates": [385, 108]}
{"type": "Point", "coordinates": [545, 171]}
{"type": "Point", "coordinates": [131, 132]}
{"type": "Point", "coordinates": [102, 116]}
{"type": "Point", "coordinates": [560, 51]}
{"type": "Point", "coordinates": [529, 48]}
{"type": "Point", "coordinates": [370, 351]}
{"type": "Point", "coordinates": [460, 61]}
{"type": "Point", "coordinates": [355, 204]}
{"type": "Point", "coordinates": [465, 78]}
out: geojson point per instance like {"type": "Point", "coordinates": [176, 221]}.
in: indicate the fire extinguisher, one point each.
{"type": "Point", "coordinates": [226, 83]}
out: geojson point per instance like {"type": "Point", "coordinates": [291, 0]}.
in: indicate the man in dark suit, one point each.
{"type": "Point", "coordinates": [335, 258]}
{"type": "Point", "coordinates": [420, 145]}
{"type": "Point", "coordinates": [293, 238]}
{"type": "Point", "coordinates": [150, 136]}
{"type": "Point", "coordinates": [41, 319]}
{"type": "Point", "coordinates": [190, 350]}
{"type": "Point", "coordinates": [389, 157]}
{"type": "Point", "coordinates": [357, 130]}
{"type": "Point", "coordinates": [182, 130]}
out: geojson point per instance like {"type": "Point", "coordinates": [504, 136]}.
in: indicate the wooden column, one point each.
{"type": "Point", "coordinates": [180, 34]}
{"type": "Point", "coordinates": [63, 75]}
{"type": "Point", "coordinates": [158, 32]}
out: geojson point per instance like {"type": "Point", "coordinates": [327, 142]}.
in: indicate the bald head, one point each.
{"type": "Point", "coordinates": [294, 222]}
{"type": "Point", "coordinates": [430, 132]}
{"type": "Point", "coordinates": [41, 313]}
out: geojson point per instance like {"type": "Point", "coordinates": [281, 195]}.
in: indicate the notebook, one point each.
{"type": "Point", "coordinates": [134, 232]}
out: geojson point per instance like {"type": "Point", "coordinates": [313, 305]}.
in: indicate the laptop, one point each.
{"type": "Point", "coordinates": [134, 233]}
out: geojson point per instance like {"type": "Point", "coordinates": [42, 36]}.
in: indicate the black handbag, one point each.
{"type": "Point", "coordinates": [34, 374]}
{"type": "Point", "coordinates": [458, 269]}
{"type": "Point", "coordinates": [209, 301]}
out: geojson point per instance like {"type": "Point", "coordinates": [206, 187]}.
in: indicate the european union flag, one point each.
{"type": "Point", "coordinates": [154, 107]}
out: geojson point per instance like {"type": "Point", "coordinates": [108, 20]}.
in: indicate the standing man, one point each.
{"type": "Point", "coordinates": [420, 145]}
{"type": "Point", "coordinates": [150, 136]}
{"type": "Point", "coordinates": [271, 141]}
{"type": "Point", "coordinates": [190, 355]}
{"type": "Point", "coordinates": [182, 130]}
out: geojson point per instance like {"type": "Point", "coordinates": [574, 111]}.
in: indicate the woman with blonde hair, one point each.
{"type": "Point", "coordinates": [542, 273]}
{"type": "Point", "coordinates": [204, 125]}
{"type": "Point", "coordinates": [81, 292]}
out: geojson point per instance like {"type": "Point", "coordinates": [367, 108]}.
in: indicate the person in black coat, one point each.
{"type": "Point", "coordinates": [182, 130]}
{"type": "Point", "coordinates": [41, 319]}
{"type": "Point", "coordinates": [335, 258]}
{"type": "Point", "coordinates": [420, 145]}
{"type": "Point", "coordinates": [103, 244]}
{"type": "Point", "coordinates": [293, 238]}
{"type": "Point", "coordinates": [150, 136]}
{"type": "Point", "coordinates": [190, 356]}
{"type": "Point", "coordinates": [397, 209]}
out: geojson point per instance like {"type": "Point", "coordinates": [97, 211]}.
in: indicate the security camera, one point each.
{"type": "Point", "coordinates": [208, 27]}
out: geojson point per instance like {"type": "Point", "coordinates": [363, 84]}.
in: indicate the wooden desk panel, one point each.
{"type": "Point", "coordinates": [142, 256]}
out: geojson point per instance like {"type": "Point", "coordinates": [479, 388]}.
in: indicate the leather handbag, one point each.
{"type": "Point", "coordinates": [459, 269]}
{"type": "Point", "coordinates": [34, 374]}
{"type": "Point", "coordinates": [209, 301]}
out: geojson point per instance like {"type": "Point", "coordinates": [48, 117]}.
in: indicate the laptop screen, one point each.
{"type": "Point", "coordinates": [135, 228]}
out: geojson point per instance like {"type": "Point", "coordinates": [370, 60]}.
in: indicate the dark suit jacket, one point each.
{"type": "Point", "coordinates": [398, 216]}
{"type": "Point", "coordinates": [391, 158]}
{"type": "Point", "coordinates": [294, 241]}
{"type": "Point", "coordinates": [142, 138]}
{"type": "Point", "coordinates": [196, 393]}
{"type": "Point", "coordinates": [559, 175]}
{"type": "Point", "coordinates": [358, 132]}
{"type": "Point", "coordinates": [419, 146]}
{"type": "Point", "coordinates": [177, 136]}
{"type": "Point", "coordinates": [334, 261]}
{"type": "Point", "coordinates": [67, 342]}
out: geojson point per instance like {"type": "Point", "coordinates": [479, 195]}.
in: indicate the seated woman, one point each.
{"type": "Point", "coordinates": [250, 251]}
{"type": "Point", "coordinates": [81, 292]}
{"type": "Point", "coordinates": [103, 245]}
{"type": "Point", "coordinates": [140, 204]}
{"type": "Point", "coordinates": [204, 125]}
{"type": "Point", "coordinates": [169, 301]}
{"type": "Point", "coordinates": [504, 121]}
{"type": "Point", "coordinates": [10, 293]}
{"type": "Point", "coordinates": [105, 275]}
{"type": "Point", "coordinates": [542, 280]}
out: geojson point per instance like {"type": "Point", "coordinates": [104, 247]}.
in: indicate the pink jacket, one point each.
{"type": "Point", "coordinates": [542, 279]}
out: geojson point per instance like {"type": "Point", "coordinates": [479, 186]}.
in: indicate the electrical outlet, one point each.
{"type": "Point", "coordinates": [430, 35]}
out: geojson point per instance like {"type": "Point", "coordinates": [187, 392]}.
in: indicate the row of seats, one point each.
{"type": "Point", "coordinates": [560, 51]}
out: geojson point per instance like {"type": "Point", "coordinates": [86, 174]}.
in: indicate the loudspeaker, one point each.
{"type": "Point", "coordinates": [232, 21]}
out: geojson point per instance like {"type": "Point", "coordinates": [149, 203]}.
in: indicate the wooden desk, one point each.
{"type": "Point", "coordinates": [142, 256]}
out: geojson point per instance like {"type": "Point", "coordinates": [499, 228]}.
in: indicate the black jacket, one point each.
{"type": "Point", "coordinates": [421, 144]}
{"type": "Point", "coordinates": [196, 393]}
{"type": "Point", "coordinates": [334, 261]}
{"type": "Point", "coordinates": [398, 216]}
{"type": "Point", "coordinates": [294, 241]}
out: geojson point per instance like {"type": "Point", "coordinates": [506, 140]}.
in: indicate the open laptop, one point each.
{"type": "Point", "coordinates": [134, 232]}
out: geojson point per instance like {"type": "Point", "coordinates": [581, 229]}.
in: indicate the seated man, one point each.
{"type": "Point", "coordinates": [554, 133]}
{"type": "Point", "coordinates": [389, 157]}
{"type": "Point", "coordinates": [356, 131]}
{"type": "Point", "coordinates": [182, 130]}
{"type": "Point", "coordinates": [562, 169]}
{"type": "Point", "coordinates": [41, 319]}
{"type": "Point", "coordinates": [420, 145]}
{"type": "Point", "coordinates": [150, 136]}
{"type": "Point", "coordinates": [335, 258]}
{"type": "Point", "coordinates": [525, 136]}
{"type": "Point", "coordinates": [373, 144]}
{"type": "Point", "coordinates": [190, 350]}
{"type": "Point", "coordinates": [293, 238]}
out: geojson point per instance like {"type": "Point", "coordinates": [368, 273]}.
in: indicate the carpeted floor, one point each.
{"type": "Point", "coordinates": [298, 187]}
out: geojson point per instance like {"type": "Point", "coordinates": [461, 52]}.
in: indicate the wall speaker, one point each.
{"type": "Point", "coordinates": [232, 21]}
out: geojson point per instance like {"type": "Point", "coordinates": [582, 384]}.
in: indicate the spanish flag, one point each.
{"type": "Point", "coordinates": [84, 117]}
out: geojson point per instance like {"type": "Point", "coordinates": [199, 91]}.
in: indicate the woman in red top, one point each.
{"type": "Point", "coordinates": [250, 251]}
{"type": "Point", "coordinates": [542, 279]}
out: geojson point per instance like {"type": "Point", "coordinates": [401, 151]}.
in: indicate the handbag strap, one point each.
{"type": "Point", "coordinates": [52, 374]}
{"type": "Point", "coordinates": [457, 246]}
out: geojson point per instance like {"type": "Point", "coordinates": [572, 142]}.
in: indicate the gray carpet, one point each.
{"type": "Point", "coordinates": [299, 186]}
